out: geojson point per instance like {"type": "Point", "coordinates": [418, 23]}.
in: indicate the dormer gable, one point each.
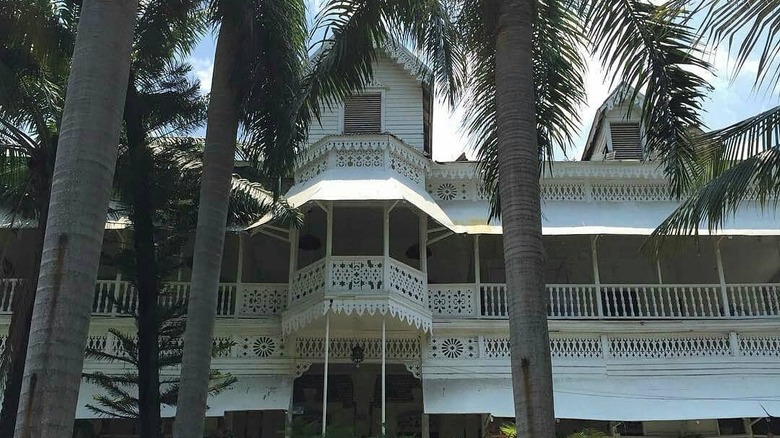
{"type": "Point", "coordinates": [397, 101]}
{"type": "Point", "coordinates": [617, 132]}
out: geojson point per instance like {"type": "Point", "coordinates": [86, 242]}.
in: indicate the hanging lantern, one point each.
{"type": "Point", "coordinates": [357, 355]}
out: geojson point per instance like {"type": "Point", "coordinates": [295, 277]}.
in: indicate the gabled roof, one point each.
{"type": "Point", "coordinates": [620, 95]}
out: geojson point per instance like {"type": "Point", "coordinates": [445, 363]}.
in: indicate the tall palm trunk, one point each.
{"type": "Point", "coordinates": [518, 158]}
{"type": "Point", "coordinates": [81, 187]}
{"type": "Point", "coordinates": [21, 319]}
{"type": "Point", "coordinates": [146, 270]}
{"type": "Point", "coordinates": [221, 131]}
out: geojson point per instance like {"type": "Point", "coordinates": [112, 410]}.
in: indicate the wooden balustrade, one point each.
{"type": "Point", "coordinates": [487, 300]}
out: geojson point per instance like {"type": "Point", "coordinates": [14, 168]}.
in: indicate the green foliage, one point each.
{"type": "Point", "coordinates": [120, 398]}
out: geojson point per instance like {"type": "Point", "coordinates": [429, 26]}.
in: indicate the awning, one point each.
{"type": "Point", "coordinates": [628, 218]}
{"type": "Point", "coordinates": [366, 185]}
{"type": "Point", "coordinates": [249, 393]}
{"type": "Point", "coordinates": [624, 399]}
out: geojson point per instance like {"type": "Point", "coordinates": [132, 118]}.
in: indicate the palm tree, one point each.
{"type": "Point", "coordinates": [259, 57]}
{"type": "Point", "coordinates": [742, 161]}
{"type": "Point", "coordinates": [36, 46]}
{"type": "Point", "coordinates": [522, 83]}
{"type": "Point", "coordinates": [80, 191]}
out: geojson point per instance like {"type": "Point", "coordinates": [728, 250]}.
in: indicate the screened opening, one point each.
{"type": "Point", "coordinates": [626, 143]}
{"type": "Point", "coordinates": [363, 114]}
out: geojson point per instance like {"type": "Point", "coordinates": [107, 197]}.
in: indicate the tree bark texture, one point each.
{"type": "Point", "coordinates": [221, 131]}
{"type": "Point", "coordinates": [147, 279]}
{"type": "Point", "coordinates": [518, 157]}
{"type": "Point", "coordinates": [81, 188]}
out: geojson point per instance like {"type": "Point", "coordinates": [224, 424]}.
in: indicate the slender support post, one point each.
{"type": "Point", "coordinates": [384, 380]}
{"type": "Point", "coordinates": [293, 262]}
{"type": "Point", "coordinates": [425, 426]}
{"type": "Point", "coordinates": [423, 242]}
{"type": "Point", "coordinates": [386, 245]}
{"type": "Point", "coordinates": [724, 296]}
{"type": "Point", "coordinates": [658, 270]}
{"type": "Point", "coordinates": [594, 255]}
{"type": "Point", "coordinates": [325, 374]}
{"type": "Point", "coordinates": [119, 299]}
{"type": "Point", "coordinates": [328, 244]}
{"type": "Point", "coordinates": [477, 278]}
{"type": "Point", "coordinates": [226, 301]}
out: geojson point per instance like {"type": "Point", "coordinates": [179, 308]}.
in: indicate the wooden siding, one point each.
{"type": "Point", "coordinates": [402, 106]}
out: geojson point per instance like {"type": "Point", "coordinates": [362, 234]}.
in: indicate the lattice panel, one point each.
{"type": "Point", "coordinates": [262, 300]}
{"type": "Point", "coordinates": [359, 158]}
{"type": "Point", "coordinates": [408, 283]}
{"type": "Point", "coordinates": [624, 192]}
{"type": "Point", "coordinates": [96, 342]}
{"type": "Point", "coordinates": [341, 348]}
{"type": "Point", "coordinates": [453, 300]}
{"type": "Point", "coordinates": [495, 348]}
{"type": "Point", "coordinates": [760, 346]}
{"type": "Point", "coordinates": [563, 192]}
{"type": "Point", "coordinates": [659, 347]}
{"type": "Point", "coordinates": [575, 348]}
{"type": "Point", "coordinates": [308, 281]}
{"type": "Point", "coordinates": [365, 275]}
{"type": "Point", "coordinates": [454, 348]}
{"type": "Point", "coordinates": [312, 169]}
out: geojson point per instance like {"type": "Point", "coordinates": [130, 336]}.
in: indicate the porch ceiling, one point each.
{"type": "Point", "coordinates": [617, 399]}
{"type": "Point", "coordinates": [605, 217]}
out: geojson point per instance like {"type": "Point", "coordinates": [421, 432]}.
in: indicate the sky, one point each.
{"type": "Point", "coordinates": [732, 99]}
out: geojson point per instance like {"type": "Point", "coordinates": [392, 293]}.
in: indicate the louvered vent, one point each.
{"type": "Point", "coordinates": [363, 114]}
{"type": "Point", "coordinates": [626, 143]}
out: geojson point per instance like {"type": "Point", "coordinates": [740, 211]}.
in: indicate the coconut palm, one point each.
{"type": "Point", "coordinates": [740, 162]}
{"type": "Point", "coordinates": [80, 191]}
{"type": "Point", "coordinates": [259, 57]}
{"type": "Point", "coordinates": [517, 65]}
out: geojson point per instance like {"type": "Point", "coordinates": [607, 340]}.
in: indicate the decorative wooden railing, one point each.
{"type": "Point", "coordinates": [613, 301]}
{"type": "Point", "coordinates": [359, 276]}
{"type": "Point", "coordinates": [368, 275]}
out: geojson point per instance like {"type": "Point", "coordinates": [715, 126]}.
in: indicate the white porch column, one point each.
{"type": "Point", "coordinates": [658, 270]}
{"type": "Point", "coordinates": [293, 262]}
{"type": "Point", "coordinates": [594, 255]}
{"type": "Point", "coordinates": [425, 426]}
{"type": "Point", "coordinates": [477, 278]}
{"type": "Point", "coordinates": [424, 242]}
{"type": "Point", "coordinates": [384, 379]}
{"type": "Point", "coordinates": [325, 374]}
{"type": "Point", "coordinates": [328, 243]}
{"type": "Point", "coordinates": [386, 245]}
{"type": "Point", "coordinates": [239, 277]}
{"type": "Point", "coordinates": [724, 296]}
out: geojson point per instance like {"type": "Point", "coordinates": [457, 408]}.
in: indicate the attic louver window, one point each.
{"type": "Point", "coordinates": [626, 142]}
{"type": "Point", "coordinates": [363, 114]}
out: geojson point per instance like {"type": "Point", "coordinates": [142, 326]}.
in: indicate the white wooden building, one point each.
{"type": "Point", "coordinates": [685, 345]}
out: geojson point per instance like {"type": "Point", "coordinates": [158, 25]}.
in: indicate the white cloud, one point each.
{"type": "Point", "coordinates": [203, 69]}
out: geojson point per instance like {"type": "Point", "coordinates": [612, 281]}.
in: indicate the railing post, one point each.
{"type": "Point", "coordinates": [724, 295]}
{"type": "Point", "coordinates": [734, 344]}
{"type": "Point", "coordinates": [594, 255]}
{"type": "Point", "coordinates": [115, 302]}
{"type": "Point", "coordinates": [605, 347]}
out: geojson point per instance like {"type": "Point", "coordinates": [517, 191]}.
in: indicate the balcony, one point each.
{"type": "Point", "coordinates": [615, 301]}
{"type": "Point", "coordinates": [372, 278]}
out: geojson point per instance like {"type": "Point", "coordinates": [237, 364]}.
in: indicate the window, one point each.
{"type": "Point", "coordinates": [363, 114]}
{"type": "Point", "coordinates": [626, 143]}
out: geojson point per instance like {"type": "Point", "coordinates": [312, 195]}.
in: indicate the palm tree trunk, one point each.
{"type": "Point", "coordinates": [81, 187]}
{"type": "Point", "coordinates": [21, 319]}
{"type": "Point", "coordinates": [518, 158]}
{"type": "Point", "coordinates": [147, 279]}
{"type": "Point", "coordinates": [218, 156]}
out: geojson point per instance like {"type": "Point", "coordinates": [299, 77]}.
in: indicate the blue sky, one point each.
{"type": "Point", "coordinates": [733, 99]}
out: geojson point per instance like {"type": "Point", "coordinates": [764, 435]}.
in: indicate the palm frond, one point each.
{"type": "Point", "coordinates": [755, 178]}
{"type": "Point", "coordinates": [750, 29]}
{"type": "Point", "coordinates": [651, 48]}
